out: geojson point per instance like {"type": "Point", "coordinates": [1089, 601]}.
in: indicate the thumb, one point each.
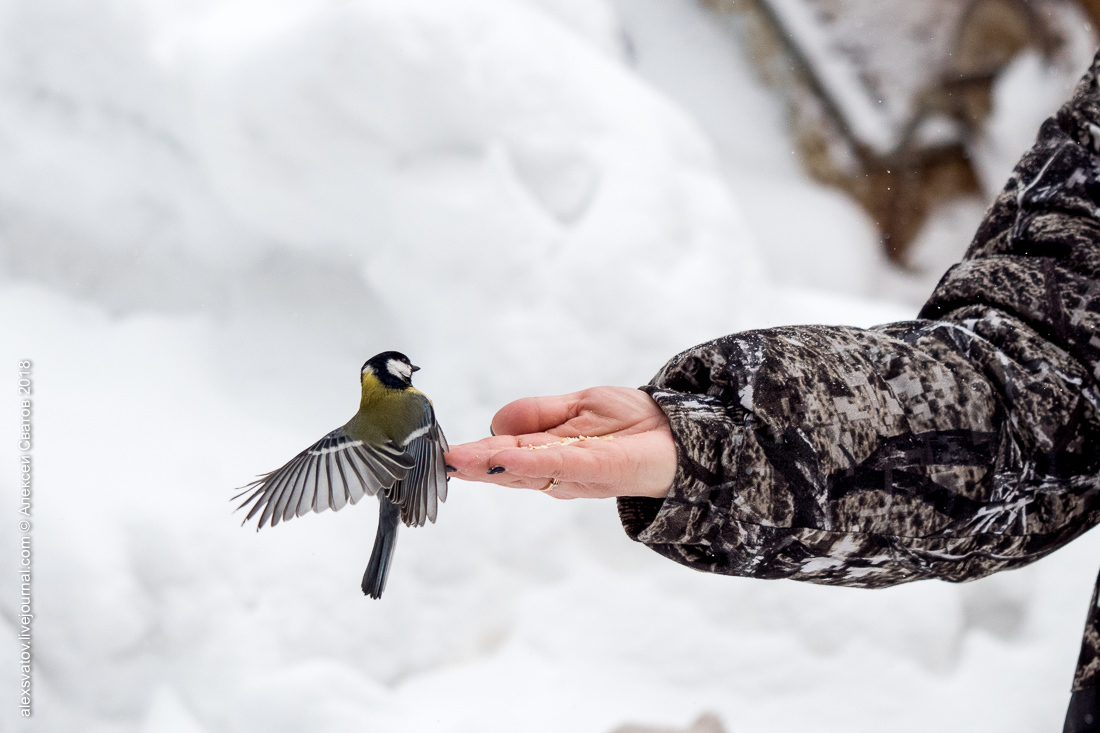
{"type": "Point", "coordinates": [534, 414]}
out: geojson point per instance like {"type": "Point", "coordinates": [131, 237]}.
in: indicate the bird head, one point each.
{"type": "Point", "coordinates": [392, 368]}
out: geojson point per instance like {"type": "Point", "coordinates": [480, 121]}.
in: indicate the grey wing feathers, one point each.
{"type": "Point", "coordinates": [330, 474]}
{"type": "Point", "coordinates": [418, 494]}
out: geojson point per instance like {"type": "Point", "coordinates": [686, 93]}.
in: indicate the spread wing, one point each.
{"type": "Point", "coordinates": [334, 471]}
{"type": "Point", "coordinates": [419, 492]}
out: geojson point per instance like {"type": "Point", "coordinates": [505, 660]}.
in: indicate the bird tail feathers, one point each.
{"type": "Point", "coordinates": [385, 539]}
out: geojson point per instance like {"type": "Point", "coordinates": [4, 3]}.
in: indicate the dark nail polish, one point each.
{"type": "Point", "coordinates": [450, 468]}
{"type": "Point", "coordinates": [495, 470]}
{"type": "Point", "coordinates": [492, 432]}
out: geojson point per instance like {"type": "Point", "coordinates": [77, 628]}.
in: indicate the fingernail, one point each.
{"type": "Point", "coordinates": [492, 432]}
{"type": "Point", "coordinates": [450, 468]}
{"type": "Point", "coordinates": [495, 470]}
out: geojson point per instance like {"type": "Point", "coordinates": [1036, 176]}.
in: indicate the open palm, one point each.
{"type": "Point", "coordinates": [637, 456]}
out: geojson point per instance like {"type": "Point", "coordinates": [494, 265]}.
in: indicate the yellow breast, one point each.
{"type": "Point", "coordinates": [385, 413]}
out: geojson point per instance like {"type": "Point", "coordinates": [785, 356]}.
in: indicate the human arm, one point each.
{"type": "Point", "coordinates": [950, 446]}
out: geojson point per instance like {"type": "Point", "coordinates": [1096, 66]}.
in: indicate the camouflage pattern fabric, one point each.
{"type": "Point", "coordinates": [950, 447]}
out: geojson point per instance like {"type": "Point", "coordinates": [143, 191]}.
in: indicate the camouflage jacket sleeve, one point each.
{"type": "Point", "coordinates": [951, 446]}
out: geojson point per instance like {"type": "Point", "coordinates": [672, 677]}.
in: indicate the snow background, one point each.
{"type": "Point", "coordinates": [211, 213]}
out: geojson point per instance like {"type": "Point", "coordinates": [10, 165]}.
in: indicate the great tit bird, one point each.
{"type": "Point", "coordinates": [392, 447]}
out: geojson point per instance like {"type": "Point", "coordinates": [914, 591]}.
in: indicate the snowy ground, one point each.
{"type": "Point", "coordinates": [212, 212]}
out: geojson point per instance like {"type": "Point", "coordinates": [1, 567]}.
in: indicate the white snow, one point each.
{"type": "Point", "coordinates": [212, 212]}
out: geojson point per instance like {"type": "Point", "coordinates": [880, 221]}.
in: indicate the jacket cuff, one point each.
{"type": "Point", "coordinates": [707, 434]}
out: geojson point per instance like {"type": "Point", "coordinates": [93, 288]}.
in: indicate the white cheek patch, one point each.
{"type": "Point", "coordinates": [399, 369]}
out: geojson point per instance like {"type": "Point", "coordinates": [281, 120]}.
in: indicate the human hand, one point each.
{"type": "Point", "coordinates": [639, 459]}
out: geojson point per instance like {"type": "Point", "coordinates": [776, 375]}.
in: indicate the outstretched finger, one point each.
{"type": "Point", "coordinates": [641, 464]}
{"type": "Point", "coordinates": [589, 461]}
{"type": "Point", "coordinates": [475, 461]}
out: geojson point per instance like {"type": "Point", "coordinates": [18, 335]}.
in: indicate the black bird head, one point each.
{"type": "Point", "coordinates": [392, 368]}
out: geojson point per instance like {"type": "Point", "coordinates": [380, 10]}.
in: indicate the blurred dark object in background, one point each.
{"type": "Point", "coordinates": [886, 99]}
{"type": "Point", "coordinates": [707, 723]}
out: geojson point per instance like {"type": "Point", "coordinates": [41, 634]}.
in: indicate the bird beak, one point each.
{"type": "Point", "coordinates": [415, 367]}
